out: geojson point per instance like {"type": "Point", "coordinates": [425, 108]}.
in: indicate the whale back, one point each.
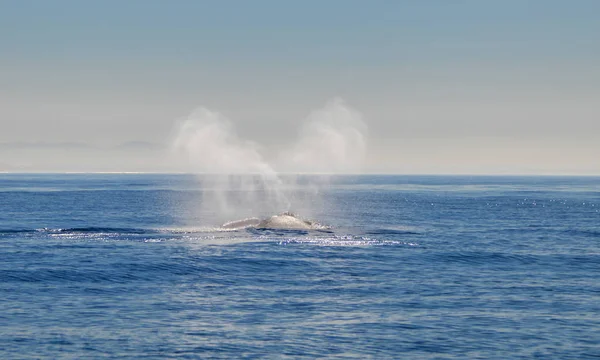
{"type": "Point", "coordinates": [241, 224]}
{"type": "Point", "coordinates": [284, 221]}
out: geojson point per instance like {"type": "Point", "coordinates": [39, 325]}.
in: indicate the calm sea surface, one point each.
{"type": "Point", "coordinates": [413, 267]}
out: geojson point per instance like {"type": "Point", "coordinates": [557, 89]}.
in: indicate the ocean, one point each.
{"type": "Point", "coordinates": [406, 267]}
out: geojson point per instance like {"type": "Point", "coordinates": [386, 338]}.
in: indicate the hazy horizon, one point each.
{"type": "Point", "coordinates": [469, 87]}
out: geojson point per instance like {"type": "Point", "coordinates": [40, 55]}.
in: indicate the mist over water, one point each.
{"type": "Point", "coordinates": [234, 177]}
{"type": "Point", "coordinates": [332, 140]}
{"type": "Point", "coordinates": [237, 182]}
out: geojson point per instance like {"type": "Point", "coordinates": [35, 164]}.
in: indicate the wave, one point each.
{"type": "Point", "coordinates": [211, 235]}
{"type": "Point", "coordinates": [93, 229]}
{"type": "Point", "coordinates": [147, 231]}
{"type": "Point", "coordinates": [390, 231]}
{"type": "Point", "coordinates": [159, 230]}
{"type": "Point", "coordinates": [344, 240]}
{"type": "Point", "coordinates": [17, 231]}
{"type": "Point", "coordinates": [90, 229]}
{"type": "Point", "coordinates": [484, 258]}
{"type": "Point", "coordinates": [583, 232]}
{"type": "Point", "coordinates": [115, 273]}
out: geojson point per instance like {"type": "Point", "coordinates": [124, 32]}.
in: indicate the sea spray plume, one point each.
{"type": "Point", "coordinates": [235, 180]}
{"type": "Point", "coordinates": [211, 145]}
{"type": "Point", "coordinates": [332, 140]}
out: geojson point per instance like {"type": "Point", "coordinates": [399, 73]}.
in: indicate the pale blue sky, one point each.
{"type": "Point", "coordinates": [445, 86]}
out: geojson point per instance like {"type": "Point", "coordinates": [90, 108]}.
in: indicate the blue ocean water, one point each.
{"type": "Point", "coordinates": [414, 267]}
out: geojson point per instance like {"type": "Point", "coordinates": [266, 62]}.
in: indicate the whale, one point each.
{"type": "Point", "coordinates": [286, 221]}
{"type": "Point", "coordinates": [241, 224]}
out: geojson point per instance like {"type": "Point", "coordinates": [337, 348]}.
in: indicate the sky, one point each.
{"type": "Point", "coordinates": [445, 87]}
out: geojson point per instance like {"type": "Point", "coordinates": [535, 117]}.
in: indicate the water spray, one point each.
{"type": "Point", "coordinates": [237, 182]}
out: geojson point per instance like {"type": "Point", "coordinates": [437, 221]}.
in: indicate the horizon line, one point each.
{"type": "Point", "coordinates": [299, 174]}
